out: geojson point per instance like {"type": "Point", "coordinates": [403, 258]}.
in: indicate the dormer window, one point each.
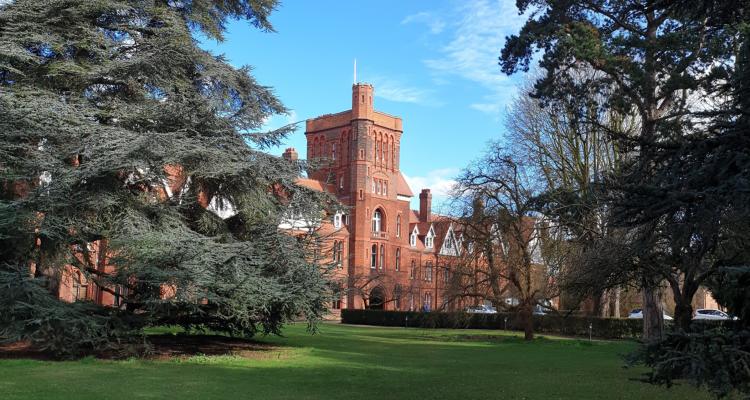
{"type": "Point", "coordinates": [413, 239]}
{"type": "Point", "coordinates": [429, 239]}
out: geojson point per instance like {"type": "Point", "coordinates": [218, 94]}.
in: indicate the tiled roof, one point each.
{"type": "Point", "coordinates": [402, 188]}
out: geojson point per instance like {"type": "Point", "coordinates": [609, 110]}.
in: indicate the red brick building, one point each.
{"type": "Point", "coordinates": [390, 253]}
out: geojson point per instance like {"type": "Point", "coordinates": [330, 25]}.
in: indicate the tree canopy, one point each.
{"type": "Point", "coordinates": [133, 157]}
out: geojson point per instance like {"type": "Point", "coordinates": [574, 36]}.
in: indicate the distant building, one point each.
{"type": "Point", "coordinates": [390, 253]}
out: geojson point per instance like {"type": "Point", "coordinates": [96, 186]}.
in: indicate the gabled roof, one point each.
{"type": "Point", "coordinates": [315, 184]}
{"type": "Point", "coordinates": [402, 188]}
{"type": "Point", "coordinates": [413, 217]}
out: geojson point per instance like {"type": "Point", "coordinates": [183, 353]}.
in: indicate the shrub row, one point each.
{"type": "Point", "coordinates": [604, 328]}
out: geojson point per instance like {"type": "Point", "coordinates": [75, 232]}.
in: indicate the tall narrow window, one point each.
{"type": "Point", "coordinates": [333, 151]}
{"type": "Point", "coordinates": [428, 271]}
{"type": "Point", "coordinates": [397, 266]}
{"type": "Point", "coordinates": [413, 239]}
{"type": "Point", "coordinates": [385, 188]}
{"type": "Point", "coordinates": [377, 218]}
{"type": "Point", "coordinates": [374, 257]}
{"type": "Point", "coordinates": [397, 293]}
{"type": "Point", "coordinates": [398, 226]}
{"type": "Point", "coordinates": [382, 256]}
{"type": "Point", "coordinates": [413, 270]}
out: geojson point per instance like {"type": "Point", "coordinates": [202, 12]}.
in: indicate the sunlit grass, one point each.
{"type": "Point", "coordinates": [347, 362]}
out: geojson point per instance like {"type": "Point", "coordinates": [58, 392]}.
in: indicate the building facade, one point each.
{"type": "Point", "coordinates": [391, 252]}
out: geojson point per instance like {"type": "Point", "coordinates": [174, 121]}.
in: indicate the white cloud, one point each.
{"type": "Point", "coordinates": [473, 50]}
{"type": "Point", "coordinates": [394, 90]}
{"type": "Point", "coordinates": [435, 23]}
{"type": "Point", "coordinates": [291, 117]}
{"type": "Point", "coordinates": [439, 181]}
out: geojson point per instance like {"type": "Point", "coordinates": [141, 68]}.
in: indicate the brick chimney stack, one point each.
{"type": "Point", "coordinates": [290, 154]}
{"type": "Point", "coordinates": [425, 205]}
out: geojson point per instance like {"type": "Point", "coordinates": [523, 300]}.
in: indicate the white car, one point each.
{"type": "Point", "coordinates": [638, 314]}
{"type": "Point", "coordinates": [483, 309]}
{"type": "Point", "coordinates": [717, 315]}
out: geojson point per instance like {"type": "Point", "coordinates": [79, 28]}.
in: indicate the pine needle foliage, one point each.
{"type": "Point", "coordinates": [101, 101]}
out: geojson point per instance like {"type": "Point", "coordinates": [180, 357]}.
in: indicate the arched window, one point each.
{"type": "Point", "coordinates": [413, 239]}
{"type": "Point", "coordinates": [413, 270]}
{"type": "Point", "coordinates": [377, 220]}
{"type": "Point", "coordinates": [374, 257]}
{"type": "Point", "coordinates": [382, 256]}
{"type": "Point", "coordinates": [398, 259]}
{"type": "Point", "coordinates": [398, 226]}
{"type": "Point", "coordinates": [428, 271]}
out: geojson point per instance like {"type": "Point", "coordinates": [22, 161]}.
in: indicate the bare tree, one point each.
{"type": "Point", "coordinates": [569, 144]}
{"type": "Point", "coordinates": [503, 237]}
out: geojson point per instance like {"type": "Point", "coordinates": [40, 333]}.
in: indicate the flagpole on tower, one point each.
{"type": "Point", "coordinates": [355, 71]}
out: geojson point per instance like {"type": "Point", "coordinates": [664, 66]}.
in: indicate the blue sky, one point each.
{"type": "Point", "coordinates": [433, 63]}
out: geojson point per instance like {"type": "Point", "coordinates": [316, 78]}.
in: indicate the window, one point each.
{"type": "Point", "coordinates": [411, 302]}
{"type": "Point", "coordinates": [337, 220]}
{"type": "Point", "coordinates": [448, 244]}
{"type": "Point", "coordinates": [413, 239]}
{"type": "Point", "coordinates": [428, 241]}
{"type": "Point", "coordinates": [377, 219]}
{"type": "Point", "coordinates": [397, 292]}
{"type": "Point", "coordinates": [79, 288]}
{"type": "Point", "coordinates": [427, 305]}
{"type": "Point", "coordinates": [398, 260]}
{"type": "Point", "coordinates": [341, 182]}
{"type": "Point", "coordinates": [336, 303]}
{"type": "Point", "coordinates": [413, 270]}
{"type": "Point", "coordinates": [377, 186]}
{"type": "Point", "coordinates": [333, 151]}
{"type": "Point", "coordinates": [428, 272]}
{"type": "Point", "coordinates": [374, 257]}
{"type": "Point", "coordinates": [385, 188]}
{"type": "Point", "coordinates": [382, 256]}
{"type": "Point", "coordinates": [338, 251]}
{"type": "Point", "coordinates": [447, 274]}
{"type": "Point", "coordinates": [373, 185]}
{"type": "Point", "coordinates": [398, 226]}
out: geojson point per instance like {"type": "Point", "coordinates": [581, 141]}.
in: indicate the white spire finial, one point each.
{"type": "Point", "coordinates": [355, 71]}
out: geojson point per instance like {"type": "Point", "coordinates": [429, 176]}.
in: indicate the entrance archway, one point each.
{"type": "Point", "coordinates": [377, 299]}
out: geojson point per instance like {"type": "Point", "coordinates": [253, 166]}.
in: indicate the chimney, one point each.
{"type": "Point", "coordinates": [290, 154]}
{"type": "Point", "coordinates": [425, 205]}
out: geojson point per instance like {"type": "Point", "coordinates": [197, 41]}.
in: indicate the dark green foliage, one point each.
{"type": "Point", "coordinates": [718, 359]}
{"type": "Point", "coordinates": [568, 325]}
{"type": "Point", "coordinates": [98, 100]}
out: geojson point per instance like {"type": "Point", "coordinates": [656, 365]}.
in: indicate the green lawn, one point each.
{"type": "Point", "coordinates": [346, 362]}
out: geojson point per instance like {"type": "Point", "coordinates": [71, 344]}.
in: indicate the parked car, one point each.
{"type": "Point", "coordinates": [539, 310]}
{"type": "Point", "coordinates": [707, 313]}
{"type": "Point", "coordinates": [638, 314]}
{"type": "Point", "coordinates": [481, 309]}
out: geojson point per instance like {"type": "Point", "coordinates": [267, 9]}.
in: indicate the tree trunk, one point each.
{"type": "Point", "coordinates": [527, 321]}
{"type": "Point", "coordinates": [683, 314]}
{"type": "Point", "coordinates": [605, 303]}
{"type": "Point", "coordinates": [618, 294]}
{"type": "Point", "coordinates": [653, 315]}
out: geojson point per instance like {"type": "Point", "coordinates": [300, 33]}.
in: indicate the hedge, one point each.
{"type": "Point", "coordinates": [604, 328]}
{"type": "Point", "coordinates": [560, 324]}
